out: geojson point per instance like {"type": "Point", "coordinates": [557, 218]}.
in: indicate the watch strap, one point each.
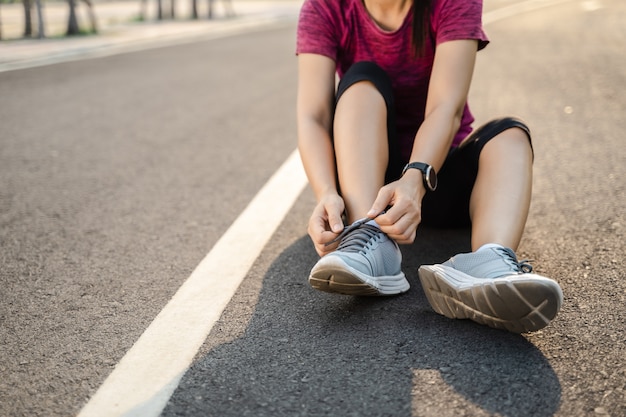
{"type": "Point", "coordinates": [429, 176]}
{"type": "Point", "coordinates": [416, 165]}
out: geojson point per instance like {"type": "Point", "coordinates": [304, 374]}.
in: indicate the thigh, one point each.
{"type": "Point", "coordinates": [448, 206]}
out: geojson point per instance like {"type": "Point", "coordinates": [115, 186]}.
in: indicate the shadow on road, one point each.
{"type": "Point", "coordinates": [305, 352]}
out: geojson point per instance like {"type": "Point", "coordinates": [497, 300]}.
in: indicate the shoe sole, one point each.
{"type": "Point", "coordinates": [518, 304]}
{"type": "Point", "coordinates": [336, 276]}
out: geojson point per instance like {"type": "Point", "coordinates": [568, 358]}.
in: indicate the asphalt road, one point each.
{"type": "Point", "coordinates": [119, 174]}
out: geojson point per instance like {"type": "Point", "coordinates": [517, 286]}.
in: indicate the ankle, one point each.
{"type": "Point", "coordinates": [489, 246]}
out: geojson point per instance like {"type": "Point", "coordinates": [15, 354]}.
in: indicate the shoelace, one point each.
{"type": "Point", "coordinates": [522, 266]}
{"type": "Point", "coordinates": [352, 227]}
{"type": "Point", "coordinates": [356, 239]}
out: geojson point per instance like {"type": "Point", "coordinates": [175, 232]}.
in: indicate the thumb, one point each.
{"type": "Point", "coordinates": [335, 222]}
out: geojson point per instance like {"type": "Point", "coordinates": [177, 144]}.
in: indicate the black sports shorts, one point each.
{"type": "Point", "coordinates": [448, 206]}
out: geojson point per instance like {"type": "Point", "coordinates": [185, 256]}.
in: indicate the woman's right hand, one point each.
{"type": "Point", "coordinates": [325, 223]}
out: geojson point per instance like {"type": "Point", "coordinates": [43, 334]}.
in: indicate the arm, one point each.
{"type": "Point", "coordinates": [316, 91]}
{"type": "Point", "coordinates": [447, 94]}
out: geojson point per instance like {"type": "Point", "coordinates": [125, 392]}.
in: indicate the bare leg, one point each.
{"type": "Point", "coordinates": [513, 299]}
{"type": "Point", "coordinates": [361, 148]}
{"type": "Point", "coordinates": [359, 267]}
{"type": "Point", "coordinates": [501, 197]}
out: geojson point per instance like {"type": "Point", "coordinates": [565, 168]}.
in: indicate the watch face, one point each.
{"type": "Point", "coordinates": [431, 178]}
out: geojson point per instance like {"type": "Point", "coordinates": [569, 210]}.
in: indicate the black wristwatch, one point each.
{"type": "Point", "coordinates": [428, 174]}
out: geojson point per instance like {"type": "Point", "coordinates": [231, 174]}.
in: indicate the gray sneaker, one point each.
{"type": "Point", "coordinates": [493, 288]}
{"type": "Point", "coordinates": [366, 262]}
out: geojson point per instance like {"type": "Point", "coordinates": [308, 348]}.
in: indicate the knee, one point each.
{"type": "Point", "coordinates": [363, 91]}
{"type": "Point", "coordinates": [369, 77]}
{"type": "Point", "coordinates": [510, 143]}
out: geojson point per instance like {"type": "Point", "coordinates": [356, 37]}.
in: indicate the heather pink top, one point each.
{"type": "Point", "coordinates": [343, 31]}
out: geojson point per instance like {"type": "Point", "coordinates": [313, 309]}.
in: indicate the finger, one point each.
{"type": "Point", "coordinates": [316, 228]}
{"type": "Point", "coordinates": [383, 200]}
{"type": "Point", "coordinates": [325, 250]}
{"type": "Point", "coordinates": [322, 247]}
{"type": "Point", "coordinates": [406, 240]}
{"type": "Point", "coordinates": [391, 215]}
{"type": "Point", "coordinates": [321, 236]}
{"type": "Point", "coordinates": [403, 231]}
{"type": "Point", "coordinates": [335, 221]}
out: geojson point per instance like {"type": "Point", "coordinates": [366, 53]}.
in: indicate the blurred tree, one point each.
{"type": "Point", "coordinates": [194, 9]}
{"type": "Point", "coordinates": [28, 18]}
{"type": "Point", "coordinates": [173, 9]}
{"type": "Point", "coordinates": [41, 33]}
{"type": "Point", "coordinates": [72, 25]}
{"type": "Point", "coordinates": [92, 16]}
{"type": "Point", "coordinates": [159, 10]}
{"type": "Point", "coordinates": [143, 10]}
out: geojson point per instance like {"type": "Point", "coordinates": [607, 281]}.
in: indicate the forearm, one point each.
{"type": "Point", "coordinates": [447, 95]}
{"type": "Point", "coordinates": [318, 157]}
{"type": "Point", "coordinates": [435, 136]}
{"type": "Point", "coordinates": [316, 91]}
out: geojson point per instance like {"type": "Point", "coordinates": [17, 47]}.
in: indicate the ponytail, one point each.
{"type": "Point", "coordinates": [421, 25]}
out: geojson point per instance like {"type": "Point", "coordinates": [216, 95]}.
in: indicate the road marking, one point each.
{"type": "Point", "coordinates": [146, 377]}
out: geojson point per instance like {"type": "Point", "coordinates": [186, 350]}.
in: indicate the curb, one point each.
{"type": "Point", "coordinates": [133, 37]}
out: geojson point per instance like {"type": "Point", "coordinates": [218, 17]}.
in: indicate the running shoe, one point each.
{"type": "Point", "coordinates": [491, 287]}
{"type": "Point", "coordinates": [366, 262]}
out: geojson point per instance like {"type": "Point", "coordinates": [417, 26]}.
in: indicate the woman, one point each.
{"type": "Point", "coordinates": [392, 147]}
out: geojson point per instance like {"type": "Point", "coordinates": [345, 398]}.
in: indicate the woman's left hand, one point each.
{"type": "Point", "coordinates": [402, 200]}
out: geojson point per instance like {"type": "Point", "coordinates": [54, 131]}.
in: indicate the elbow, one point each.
{"type": "Point", "coordinates": [456, 115]}
{"type": "Point", "coordinates": [456, 119]}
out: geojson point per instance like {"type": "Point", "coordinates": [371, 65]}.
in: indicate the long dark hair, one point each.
{"type": "Point", "coordinates": [421, 25]}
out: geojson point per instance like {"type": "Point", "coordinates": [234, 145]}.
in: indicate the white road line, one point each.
{"type": "Point", "coordinates": [146, 377]}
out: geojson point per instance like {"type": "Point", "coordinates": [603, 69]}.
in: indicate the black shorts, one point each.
{"type": "Point", "coordinates": [448, 206]}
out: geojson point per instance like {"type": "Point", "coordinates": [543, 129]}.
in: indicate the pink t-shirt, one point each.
{"type": "Point", "coordinates": [343, 31]}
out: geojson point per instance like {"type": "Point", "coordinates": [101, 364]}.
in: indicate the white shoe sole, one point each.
{"type": "Point", "coordinates": [517, 303]}
{"type": "Point", "coordinates": [332, 274]}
